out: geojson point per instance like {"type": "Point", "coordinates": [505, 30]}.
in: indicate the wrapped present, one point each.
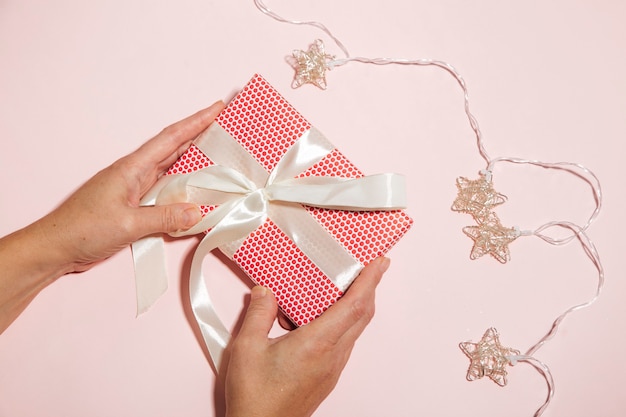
{"type": "Point", "coordinates": [280, 201]}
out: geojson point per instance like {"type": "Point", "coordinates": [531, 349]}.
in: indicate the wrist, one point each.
{"type": "Point", "coordinates": [39, 256]}
{"type": "Point", "coordinates": [58, 248]}
{"type": "Point", "coordinates": [28, 267]}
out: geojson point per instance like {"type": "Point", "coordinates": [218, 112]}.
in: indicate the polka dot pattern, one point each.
{"type": "Point", "coordinates": [192, 160]}
{"type": "Point", "coordinates": [365, 234]}
{"type": "Point", "coordinates": [266, 126]}
{"type": "Point", "coordinates": [272, 260]}
{"type": "Point", "coordinates": [334, 164]}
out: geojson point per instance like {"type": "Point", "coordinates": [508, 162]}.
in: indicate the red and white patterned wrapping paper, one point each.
{"type": "Point", "coordinates": [266, 125]}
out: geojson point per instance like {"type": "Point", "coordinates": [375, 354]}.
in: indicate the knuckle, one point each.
{"type": "Point", "coordinates": [171, 131]}
{"type": "Point", "coordinates": [126, 224]}
{"type": "Point", "coordinates": [169, 219]}
{"type": "Point", "coordinates": [318, 347]}
{"type": "Point", "coordinates": [362, 311]}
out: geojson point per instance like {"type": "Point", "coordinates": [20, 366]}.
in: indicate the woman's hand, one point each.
{"type": "Point", "coordinates": [291, 375]}
{"type": "Point", "coordinates": [104, 216]}
{"type": "Point", "coordinates": [100, 218]}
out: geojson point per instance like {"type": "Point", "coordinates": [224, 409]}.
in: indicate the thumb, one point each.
{"type": "Point", "coordinates": [260, 315]}
{"type": "Point", "coordinates": [168, 218]}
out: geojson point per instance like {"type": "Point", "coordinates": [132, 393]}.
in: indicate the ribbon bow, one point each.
{"type": "Point", "coordinates": [246, 195]}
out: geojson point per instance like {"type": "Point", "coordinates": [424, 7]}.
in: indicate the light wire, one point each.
{"type": "Point", "coordinates": [576, 231]}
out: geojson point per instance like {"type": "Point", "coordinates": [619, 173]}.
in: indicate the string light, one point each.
{"type": "Point", "coordinates": [479, 199]}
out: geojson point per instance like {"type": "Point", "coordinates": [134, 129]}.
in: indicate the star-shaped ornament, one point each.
{"type": "Point", "coordinates": [490, 237]}
{"type": "Point", "coordinates": [476, 197]}
{"type": "Point", "coordinates": [311, 65]}
{"type": "Point", "coordinates": [488, 358]}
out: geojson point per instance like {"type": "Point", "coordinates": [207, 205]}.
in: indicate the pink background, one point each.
{"type": "Point", "coordinates": [85, 82]}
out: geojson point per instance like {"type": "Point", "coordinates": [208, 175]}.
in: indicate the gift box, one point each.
{"type": "Point", "coordinates": [302, 275]}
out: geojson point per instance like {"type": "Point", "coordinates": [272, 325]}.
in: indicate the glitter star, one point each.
{"type": "Point", "coordinates": [311, 65]}
{"type": "Point", "coordinates": [476, 197]}
{"type": "Point", "coordinates": [488, 358]}
{"type": "Point", "coordinates": [492, 238]}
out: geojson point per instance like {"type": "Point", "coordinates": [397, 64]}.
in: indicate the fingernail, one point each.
{"type": "Point", "coordinates": [383, 264]}
{"type": "Point", "coordinates": [191, 216]}
{"type": "Point", "coordinates": [258, 292]}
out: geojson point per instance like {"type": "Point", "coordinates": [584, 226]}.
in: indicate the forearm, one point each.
{"type": "Point", "coordinates": [29, 264]}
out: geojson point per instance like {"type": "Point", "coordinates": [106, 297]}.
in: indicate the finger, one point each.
{"type": "Point", "coordinates": [351, 313]}
{"type": "Point", "coordinates": [167, 146]}
{"type": "Point", "coordinates": [165, 219]}
{"type": "Point", "coordinates": [260, 315]}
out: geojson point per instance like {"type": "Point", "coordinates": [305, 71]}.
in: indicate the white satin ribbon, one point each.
{"type": "Point", "coordinates": [246, 195]}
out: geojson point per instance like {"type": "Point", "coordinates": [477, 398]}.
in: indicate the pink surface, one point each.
{"type": "Point", "coordinates": [83, 83]}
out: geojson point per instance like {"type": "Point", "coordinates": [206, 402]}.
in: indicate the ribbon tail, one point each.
{"type": "Point", "coordinates": [150, 271]}
{"type": "Point", "coordinates": [150, 276]}
{"type": "Point", "coordinates": [237, 224]}
{"type": "Point", "coordinates": [215, 334]}
{"type": "Point", "coordinates": [149, 256]}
